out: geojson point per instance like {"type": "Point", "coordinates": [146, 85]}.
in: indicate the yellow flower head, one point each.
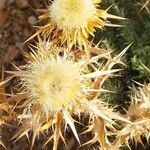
{"type": "Point", "coordinates": [74, 20]}
{"type": "Point", "coordinates": [57, 87]}
{"type": "Point", "coordinates": [52, 82]}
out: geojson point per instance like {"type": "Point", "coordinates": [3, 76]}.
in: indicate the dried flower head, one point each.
{"type": "Point", "coordinates": [56, 88]}
{"type": "Point", "coordinates": [74, 20]}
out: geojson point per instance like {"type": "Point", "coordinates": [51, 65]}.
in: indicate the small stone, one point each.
{"type": "Point", "coordinates": [32, 20]}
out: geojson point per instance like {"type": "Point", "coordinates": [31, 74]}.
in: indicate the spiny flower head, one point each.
{"type": "Point", "coordinates": [74, 20]}
{"type": "Point", "coordinates": [53, 82]}
{"type": "Point", "coordinates": [57, 87]}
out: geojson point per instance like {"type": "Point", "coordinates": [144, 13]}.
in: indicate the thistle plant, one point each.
{"type": "Point", "coordinates": [55, 84]}
{"type": "Point", "coordinates": [55, 88]}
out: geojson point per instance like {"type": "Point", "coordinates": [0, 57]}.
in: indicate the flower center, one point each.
{"type": "Point", "coordinates": [72, 14]}
{"type": "Point", "coordinates": [52, 83]}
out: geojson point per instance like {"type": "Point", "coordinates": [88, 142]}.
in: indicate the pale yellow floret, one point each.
{"type": "Point", "coordinates": [54, 83]}
{"type": "Point", "coordinates": [74, 14]}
